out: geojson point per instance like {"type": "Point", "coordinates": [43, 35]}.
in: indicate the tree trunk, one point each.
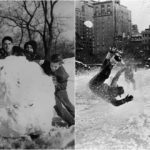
{"type": "Point", "coordinates": [29, 33]}
{"type": "Point", "coordinates": [21, 37]}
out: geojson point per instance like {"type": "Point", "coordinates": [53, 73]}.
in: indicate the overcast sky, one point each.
{"type": "Point", "coordinates": [139, 12]}
{"type": "Point", "coordinates": [66, 8]}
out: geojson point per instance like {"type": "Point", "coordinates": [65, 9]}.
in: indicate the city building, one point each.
{"type": "Point", "coordinates": [135, 30]}
{"type": "Point", "coordinates": [112, 22]}
{"type": "Point", "coordinates": [84, 35]}
{"type": "Point", "coordinates": [146, 39]}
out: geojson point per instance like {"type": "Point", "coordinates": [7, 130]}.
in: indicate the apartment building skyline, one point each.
{"type": "Point", "coordinates": [84, 12]}
{"type": "Point", "coordinates": [111, 20]}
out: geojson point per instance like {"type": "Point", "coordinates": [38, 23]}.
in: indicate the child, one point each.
{"type": "Point", "coordinates": [55, 69]}
{"type": "Point", "coordinates": [8, 48]}
{"type": "Point", "coordinates": [30, 50]}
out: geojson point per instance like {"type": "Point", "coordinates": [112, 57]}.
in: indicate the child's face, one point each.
{"type": "Point", "coordinates": [29, 48]}
{"type": "Point", "coordinates": [54, 66]}
{"type": "Point", "coordinates": [7, 45]}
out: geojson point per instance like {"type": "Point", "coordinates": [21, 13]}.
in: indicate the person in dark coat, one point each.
{"type": "Point", "coordinates": [30, 51]}
{"type": "Point", "coordinates": [8, 48]}
{"type": "Point", "coordinates": [105, 91]}
{"type": "Point", "coordinates": [55, 69]}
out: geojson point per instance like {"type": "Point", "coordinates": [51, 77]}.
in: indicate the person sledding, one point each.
{"type": "Point", "coordinates": [55, 69]}
{"type": "Point", "coordinates": [105, 91]}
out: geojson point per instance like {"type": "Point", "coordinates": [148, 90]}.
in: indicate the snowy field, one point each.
{"type": "Point", "coordinates": [27, 101]}
{"type": "Point", "coordinates": [100, 125]}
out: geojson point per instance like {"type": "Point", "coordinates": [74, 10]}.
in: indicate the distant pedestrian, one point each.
{"type": "Point", "coordinates": [129, 76]}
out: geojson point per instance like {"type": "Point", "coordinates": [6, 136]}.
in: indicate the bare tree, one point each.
{"type": "Point", "coordinates": [56, 35]}
{"type": "Point", "coordinates": [34, 20]}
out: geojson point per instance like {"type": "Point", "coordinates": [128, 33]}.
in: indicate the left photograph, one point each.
{"type": "Point", "coordinates": [37, 74]}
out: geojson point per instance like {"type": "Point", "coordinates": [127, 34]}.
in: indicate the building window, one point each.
{"type": "Point", "coordinates": [108, 8]}
{"type": "Point", "coordinates": [102, 9]}
{"type": "Point", "coordinates": [83, 9]}
{"type": "Point", "coordinates": [96, 9]}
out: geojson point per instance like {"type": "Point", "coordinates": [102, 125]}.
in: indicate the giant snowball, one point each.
{"type": "Point", "coordinates": [26, 98]}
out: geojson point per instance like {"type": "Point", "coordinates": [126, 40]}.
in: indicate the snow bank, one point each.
{"type": "Point", "coordinates": [26, 98]}
{"type": "Point", "coordinates": [110, 127]}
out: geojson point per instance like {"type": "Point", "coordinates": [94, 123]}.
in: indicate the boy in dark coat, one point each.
{"type": "Point", "coordinates": [55, 69]}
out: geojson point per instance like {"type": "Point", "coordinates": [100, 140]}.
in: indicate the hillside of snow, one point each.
{"type": "Point", "coordinates": [100, 125]}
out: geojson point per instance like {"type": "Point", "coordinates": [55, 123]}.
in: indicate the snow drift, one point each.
{"type": "Point", "coordinates": [26, 98]}
{"type": "Point", "coordinates": [110, 127]}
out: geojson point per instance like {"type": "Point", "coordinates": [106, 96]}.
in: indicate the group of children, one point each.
{"type": "Point", "coordinates": [53, 68]}
{"type": "Point", "coordinates": [29, 51]}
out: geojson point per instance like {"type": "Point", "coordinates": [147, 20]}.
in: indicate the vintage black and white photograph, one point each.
{"type": "Point", "coordinates": [37, 72]}
{"type": "Point", "coordinates": [112, 74]}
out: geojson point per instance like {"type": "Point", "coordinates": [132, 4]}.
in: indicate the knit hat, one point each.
{"type": "Point", "coordinates": [33, 44]}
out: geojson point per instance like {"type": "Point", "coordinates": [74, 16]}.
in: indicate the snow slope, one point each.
{"type": "Point", "coordinates": [100, 125]}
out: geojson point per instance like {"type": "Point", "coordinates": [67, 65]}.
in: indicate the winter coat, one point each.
{"type": "Point", "coordinates": [60, 74]}
{"type": "Point", "coordinates": [3, 53]}
{"type": "Point", "coordinates": [16, 50]}
{"type": "Point", "coordinates": [31, 56]}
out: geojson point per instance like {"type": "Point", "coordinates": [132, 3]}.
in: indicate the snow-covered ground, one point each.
{"type": "Point", "coordinates": [27, 97]}
{"type": "Point", "coordinates": [100, 125]}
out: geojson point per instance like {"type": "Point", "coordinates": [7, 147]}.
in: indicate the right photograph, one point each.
{"type": "Point", "coordinates": [112, 74]}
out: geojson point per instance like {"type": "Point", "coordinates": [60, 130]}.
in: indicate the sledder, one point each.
{"type": "Point", "coordinates": [105, 91]}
